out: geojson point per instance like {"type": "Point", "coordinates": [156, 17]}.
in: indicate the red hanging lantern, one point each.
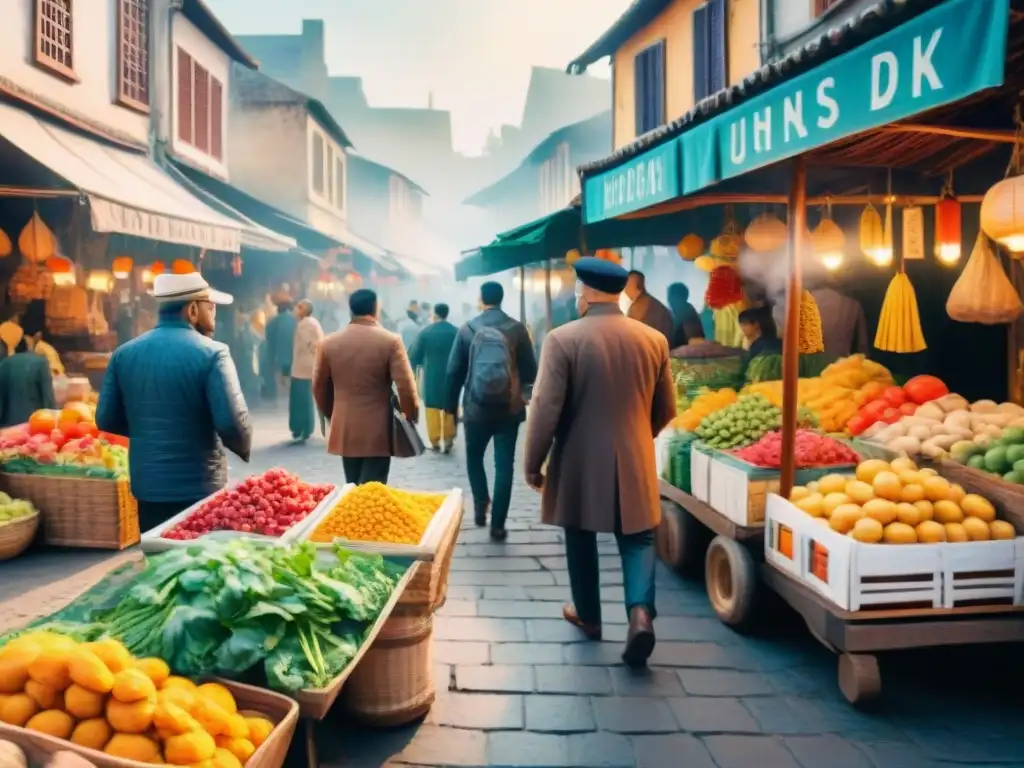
{"type": "Point", "coordinates": [157, 268]}
{"type": "Point", "coordinates": [948, 226]}
{"type": "Point", "coordinates": [122, 267]}
{"type": "Point", "coordinates": [182, 267]}
{"type": "Point", "coordinates": [724, 288]}
{"type": "Point", "coordinates": [58, 265]}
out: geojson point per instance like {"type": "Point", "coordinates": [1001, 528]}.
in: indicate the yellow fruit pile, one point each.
{"type": "Point", "coordinates": [898, 503]}
{"type": "Point", "coordinates": [704, 404]}
{"type": "Point", "coordinates": [833, 396]}
{"type": "Point", "coordinates": [375, 512]}
{"type": "Point", "coordinates": [97, 695]}
{"type": "Point", "coordinates": [809, 338]}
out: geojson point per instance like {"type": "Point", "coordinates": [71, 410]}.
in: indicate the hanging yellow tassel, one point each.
{"type": "Point", "coordinates": [899, 324]}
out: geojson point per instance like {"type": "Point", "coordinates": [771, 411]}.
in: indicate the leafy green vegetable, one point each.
{"type": "Point", "coordinates": [226, 607]}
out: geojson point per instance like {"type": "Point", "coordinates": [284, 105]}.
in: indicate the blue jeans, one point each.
{"type": "Point", "coordinates": [637, 553]}
{"type": "Point", "coordinates": [478, 435]}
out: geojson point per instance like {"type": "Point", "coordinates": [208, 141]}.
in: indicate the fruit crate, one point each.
{"type": "Point", "coordinates": [739, 489]}
{"type": "Point", "coordinates": [153, 541]}
{"type": "Point", "coordinates": [700, 472]}
{"type": "Point", "coordinates": [862, 577]}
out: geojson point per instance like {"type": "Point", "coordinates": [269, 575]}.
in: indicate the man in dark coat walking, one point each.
{"type": "Point", "coordinates": [647, 309]}
{"type": "Point", "coordinates": [429, 354]}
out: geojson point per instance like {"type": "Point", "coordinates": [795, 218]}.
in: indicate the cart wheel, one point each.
{"type": "Point", "coordinates": [731, 582]}
{"type": "Point", "coordinates": [679, 538]}
{"type": "Point", "coordinates": [859, 678]}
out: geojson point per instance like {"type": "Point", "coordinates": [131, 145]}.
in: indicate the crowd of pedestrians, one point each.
{"type": "Point", "coordinates": [601, 392]}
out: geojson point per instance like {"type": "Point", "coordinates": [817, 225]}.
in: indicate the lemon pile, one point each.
{"type": "Point", "coordinates": [375, 512]}
{"type": "Point", "coordinates": [900, 503]}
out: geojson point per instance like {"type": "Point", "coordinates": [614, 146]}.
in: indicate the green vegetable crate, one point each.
{"type": "Point", "coordinates": [739, 490]}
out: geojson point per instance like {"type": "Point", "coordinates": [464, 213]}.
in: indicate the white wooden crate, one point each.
{"type": "Point", "coordinates": [983, 572]}
{"type": "Point", "coordinates": [153, 541]}
{"type": "Point", "coordinates": [662, 455]}
{"type": "Point", "coordinates": [700, 474]}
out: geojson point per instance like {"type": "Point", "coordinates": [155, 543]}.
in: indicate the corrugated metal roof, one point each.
{"type": "Point", "coordinates": [830, 43]}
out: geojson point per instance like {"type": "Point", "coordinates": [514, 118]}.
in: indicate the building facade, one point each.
{"type": "Point", "coordinates": [668, 55]}
{"type": "Point", "coordinates": [288, 151]}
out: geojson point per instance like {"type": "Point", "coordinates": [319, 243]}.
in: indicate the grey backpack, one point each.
{"type": "Point", "coordinates": [491, 369]}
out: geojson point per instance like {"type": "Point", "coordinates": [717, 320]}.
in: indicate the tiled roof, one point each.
{"type": "Point", "coordinates": [639, 14]}
{"type": "Point", "coordinates": [199, 14]}
{"type": "Point", "coordinates": [831, 42]}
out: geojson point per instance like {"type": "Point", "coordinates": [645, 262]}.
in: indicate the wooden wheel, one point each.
{"type": "Point", "coordinates": [678, 538]}
{"type": "Point", "coordinates": [859, 678]}
{"type": "Point", "coordinates": [731, 582]}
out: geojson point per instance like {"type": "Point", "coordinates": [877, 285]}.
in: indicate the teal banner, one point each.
{"type": "Point", "coordinates": [946, 54]}
{"type": "Point", "coordinates": [647, 180]}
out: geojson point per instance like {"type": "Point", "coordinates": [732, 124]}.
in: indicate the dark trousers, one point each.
{"type": "Point", "coordinates": [636, 550]}
{"type": "Point", "coordinates": [366, 469]}
{"type": "Point", "coordinates": [154, 513]}
{"type": "Point", "coordinates": [301, 411]}
{"type": "Point", "coordinates": [478, 435]}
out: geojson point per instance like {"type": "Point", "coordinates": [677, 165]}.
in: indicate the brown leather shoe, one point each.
{"type": "Point", "coordinates": [592, 631]}
{"type": "Point", "coordinates": [640, 640]}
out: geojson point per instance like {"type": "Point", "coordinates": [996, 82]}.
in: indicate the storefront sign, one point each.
{"type": "Point", "coordinates": [942, 56]}
{"type": "Point", "coordinates": [644, 181]}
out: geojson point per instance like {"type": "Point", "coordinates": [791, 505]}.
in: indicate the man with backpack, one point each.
{"type": "Point", "coordinates": [493, 360]}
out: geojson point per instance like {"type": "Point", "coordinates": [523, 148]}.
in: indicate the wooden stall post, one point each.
{"type": "Point", "coordinates": [522, 295]}
{"type": "Point", "coordinates": [547, 292]}
{"type": "Point", "coordinates": [790, 341]}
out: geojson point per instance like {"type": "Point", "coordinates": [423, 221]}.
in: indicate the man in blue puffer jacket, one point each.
{"type": "Point", "coordinates": [174, 393]}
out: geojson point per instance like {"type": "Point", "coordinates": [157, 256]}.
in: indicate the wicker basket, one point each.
{"type": "Point", "coordinates": [16, 536]}
{"type": "Point", "coordinates": [429, 587]}
{"type": "Point", "coordinates": [394, 683]}
{"type": "Point", "coordinates": [79, 511]}
{"type": "Point", "coordinates": [280, 710]}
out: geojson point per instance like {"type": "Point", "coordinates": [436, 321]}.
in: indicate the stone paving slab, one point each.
{"type": "Point", "coordinates": [528, 690]}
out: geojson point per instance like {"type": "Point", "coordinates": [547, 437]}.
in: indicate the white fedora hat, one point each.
{"type": "Point", "coordinates": [190, 287]}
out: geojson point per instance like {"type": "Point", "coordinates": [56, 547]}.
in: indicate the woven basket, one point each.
{"type": "Point", "coordinates": [429, 586]}
{"type": "Point", "coordinates": [79, 511]}
{"type": "Point", "coordinates": [394, 683]}
{"type": "Point", "coordinates": [16, 536]}
{"type": "Point", "coordinates": [280, 710]}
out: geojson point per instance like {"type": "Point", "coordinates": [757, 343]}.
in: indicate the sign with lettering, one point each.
{"type": "Point", "coordinates": [651, 178]}
{"type": "Point", "coordinates": [950, 52]}
{"type": "Point", "coordinates": [946, 54]}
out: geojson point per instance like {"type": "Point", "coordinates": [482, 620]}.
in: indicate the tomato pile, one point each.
{"type": "Point", "coordinates": [811, 450]}
{"type": "Point", "coordinates": [267, 504]}
{"type": "Point", "coordinates": [890, 404]}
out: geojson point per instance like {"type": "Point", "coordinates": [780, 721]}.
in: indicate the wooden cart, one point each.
{"type": "Point", "coordinates": [736, 576]}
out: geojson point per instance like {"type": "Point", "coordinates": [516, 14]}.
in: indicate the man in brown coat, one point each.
{"type": "Point", "coordinates": [352, 381]}
{"type": "Point", "coordinates": [603, 393]}
{"type": "Point", "coordinates": [647, 309]}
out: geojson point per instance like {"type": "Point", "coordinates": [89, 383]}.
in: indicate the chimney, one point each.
{"type": "Point", "coordinates": [313, 38]}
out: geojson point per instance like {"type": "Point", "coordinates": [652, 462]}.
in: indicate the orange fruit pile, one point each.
{"type": "Point", "coordinates": [375, 512]}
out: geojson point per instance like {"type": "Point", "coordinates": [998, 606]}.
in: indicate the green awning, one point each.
{"type": "Point", "coordinates": [938, 57]}
{"type": "Point", "coordinates": [545, 238]}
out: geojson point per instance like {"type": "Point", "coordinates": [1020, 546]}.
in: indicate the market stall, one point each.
{"type": "Point", "coordinates": [317, 593]}
{"type": "Point", "coordinates": [884, 543]}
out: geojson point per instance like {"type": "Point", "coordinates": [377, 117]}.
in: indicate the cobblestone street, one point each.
{"type": "Point", "coordinates": [517, 686]}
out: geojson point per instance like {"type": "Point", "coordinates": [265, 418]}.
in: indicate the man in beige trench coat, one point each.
{"type": "Point", "coordinates": [603, 393]}
{"type": "Point", "coordinates": [356, 370]}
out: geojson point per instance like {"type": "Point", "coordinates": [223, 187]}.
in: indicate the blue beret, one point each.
{"type": "Point", "coordinates": [604, 276]}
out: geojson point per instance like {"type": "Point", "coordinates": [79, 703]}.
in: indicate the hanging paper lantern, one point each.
{"type": "Point", "coordinates": [571, 257]}
{"type": "Point", "coordinates": [706, 263]}
{"type": "Point", "coordinates": [690, 247]}
{"type": "Point", "coordinates": [608, 254]}
{"type": "Point", "coordinates": [766, 233]}
{"type": "Point", "coordinates": [182, 267]}
{"type": "Point", "coordinates": [100, 280]}
{"type": "Point", "coordinates": [157, 268]}
{"type": "Point", "coordinates": [6, 247]}
{"type": "Point", "coordinates": [353, 280]}
{"type": "Point", "coordinates": [948, 230]}
{"type": "Point", "coordinates": [122, 267]}
{"type": "Point", "coordinates": [872, 233]}
{"type": "Point", "coordinates": [829, 243]}
{"type": "Point", "coordinates": [36, 242]}
{"type": "Point", "coordinates": [1002, 213]}
{"type": "Point", "coordinates": [58, 265]}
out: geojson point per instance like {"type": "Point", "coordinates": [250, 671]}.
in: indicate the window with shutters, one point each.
{"type": "Point", "coordinates": [709, 53]}
{"type": "Point", "coordinates": [329, 172]}
{"type": "Point", "coordinates": [317, 164]}
{"type": "Point", "coordinates": [54, 48]}
{"type": "Point", "coordinates": [133, 54]}
{"type": "Point", "coordinates": [216, 118]}
{"type": "Point", "coordinates": [820, 6]}
{"type": "Point", "coordinates": [649, 88]}
{"type": "Point", "coordinates": [339, 181]}
{"type": "Point", "coordinates": [200, 107]}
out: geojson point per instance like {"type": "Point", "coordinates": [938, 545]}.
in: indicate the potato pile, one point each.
{"type": "Point", "coordinates": [899, 503]}
{"type": "Point", "coordinates": [97, 695]}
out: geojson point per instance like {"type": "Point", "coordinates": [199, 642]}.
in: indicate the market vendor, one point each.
{"type": "Point", "coordinates": [703, 362]}
{"type": "Point", "coordinates": [760, 332]}
{"type": "Point", "coordinates": [33, 323]}
{"type": "Point", "coordinates": [26, 385]}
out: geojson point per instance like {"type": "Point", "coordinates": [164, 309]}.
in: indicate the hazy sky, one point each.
{"type": "Point", "coordinates": [475, 55]}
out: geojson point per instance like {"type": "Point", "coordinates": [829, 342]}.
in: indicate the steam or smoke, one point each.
{"type": "Point", "coordinates": [770, 271]}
